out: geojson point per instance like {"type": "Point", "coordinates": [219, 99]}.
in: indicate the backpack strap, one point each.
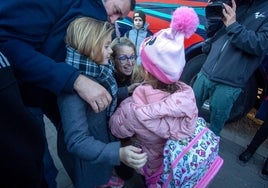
{"type": "Point", "coordinates": [155, 177]}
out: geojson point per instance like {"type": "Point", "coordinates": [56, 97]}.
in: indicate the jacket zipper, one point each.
{"type": "Point", "coordinates": [224, 45]}
{"type": "Point", "coordinates": [137, 37]}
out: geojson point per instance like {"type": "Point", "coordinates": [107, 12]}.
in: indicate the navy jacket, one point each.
{"type": "Point", "coordinates": [32, 38]}
{"type": "Point", "coordinates": [238, 50]}
{"type": "Point", "coordinates": [21, 138]}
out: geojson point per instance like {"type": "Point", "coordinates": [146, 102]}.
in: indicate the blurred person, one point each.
{"type": "Point", "coordinates": [21, 138]}
{"type": "Point", "coordinates": [139, 31]}
{"type": "Point", "coordinates": [92, 151]}
{"type": "Point", "coordinates": [236, 46]}
{"type": "Point", "coordinates": [260, 136]}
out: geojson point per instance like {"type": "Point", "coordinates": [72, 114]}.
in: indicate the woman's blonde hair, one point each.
{"type": "Point", "coordinates": [87, 36]}
{"type": "Point", "coordinates": [136, 76]}
{"type": "Point", "coordinates": [117, 43]}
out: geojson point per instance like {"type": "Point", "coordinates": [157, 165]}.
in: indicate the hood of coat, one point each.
{"type": "Point", "coordinates": [157, 103]}
{"type": "Point", "coordinates": [160, 112]}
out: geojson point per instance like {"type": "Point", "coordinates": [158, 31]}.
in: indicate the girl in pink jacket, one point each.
{"type": "Point", "coordinates": [162, 108]}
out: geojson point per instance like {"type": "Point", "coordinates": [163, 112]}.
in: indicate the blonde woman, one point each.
{"type": "Point", "coordinates": [124, 58]}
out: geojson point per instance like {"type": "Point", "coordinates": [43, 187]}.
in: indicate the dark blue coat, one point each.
{"type": "Point", "coordinates": [21, 137]}
{"type": "Point", "coordinates": [32, 38]}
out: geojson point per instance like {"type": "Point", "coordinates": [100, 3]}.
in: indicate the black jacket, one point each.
{"type": "Point", "coordinates": [21, 137]}
{"type": "Point", "coordinates": [237, 51]}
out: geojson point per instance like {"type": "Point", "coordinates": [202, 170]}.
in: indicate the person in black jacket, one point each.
{"type": "Point", "coordinates": [21, 138]}
{"type": "Point", "coordinates": [236, 46]}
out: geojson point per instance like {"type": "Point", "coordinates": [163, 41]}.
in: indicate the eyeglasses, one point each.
{"type": "Point", "coordinates": [124, 59]}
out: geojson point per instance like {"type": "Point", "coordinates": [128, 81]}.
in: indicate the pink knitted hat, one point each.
{"type": "Point", "coordinates": [162, 54]}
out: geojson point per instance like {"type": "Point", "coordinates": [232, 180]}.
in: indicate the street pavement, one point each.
{"type": "Point", "coordinates": [234, 139]}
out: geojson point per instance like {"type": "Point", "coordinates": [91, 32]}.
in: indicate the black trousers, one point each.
{"type": "Point", "coordinates": [259, 137]}
{"type": "Point", "coordinates": [21, 139]}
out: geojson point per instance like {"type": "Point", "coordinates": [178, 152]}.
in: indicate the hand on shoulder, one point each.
{"type": "Point", "coordinates": [92, 92]}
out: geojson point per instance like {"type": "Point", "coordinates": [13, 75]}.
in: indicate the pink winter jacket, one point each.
{"type": "Point", "coordinates": [151, 117]}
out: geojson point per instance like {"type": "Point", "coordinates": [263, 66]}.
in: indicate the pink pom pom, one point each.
{"type": "Point", "coordinates": [184, 20]}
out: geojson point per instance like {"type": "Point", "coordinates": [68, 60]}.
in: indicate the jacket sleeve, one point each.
{"type": "Point", "coordinates": [120, 122]}
{"type": "Point", "coordinates": [122, 94]}
{"type": "Point", "coordinates": [33, 67]}
{"type": "Point", "coordinates": [32, 38]}
{"type": "Point", "coordinates": [78, 139]}
{"type": "Point", "coordinates": [253, 42]}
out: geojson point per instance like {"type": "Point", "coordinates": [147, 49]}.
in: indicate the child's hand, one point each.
{"type": "Point", "coordinates": [133, 156]}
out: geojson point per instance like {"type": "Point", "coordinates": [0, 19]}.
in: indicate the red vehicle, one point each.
{"type": "Point", "coordinates": [158, 15]}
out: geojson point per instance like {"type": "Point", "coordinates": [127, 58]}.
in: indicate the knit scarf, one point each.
{"type": "Point", "coordinates": [103, 74]}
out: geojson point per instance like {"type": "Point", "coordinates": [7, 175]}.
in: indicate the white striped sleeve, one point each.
{"type": "Point", "coordinates": [3, 61]}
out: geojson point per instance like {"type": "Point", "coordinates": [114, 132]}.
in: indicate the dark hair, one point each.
{"type": "Point", "coordinates": [157, 84]}
{"type": "Point", "coordinates": [170, 88]}
{"type": "Point", "coordinates": [132, 4]}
